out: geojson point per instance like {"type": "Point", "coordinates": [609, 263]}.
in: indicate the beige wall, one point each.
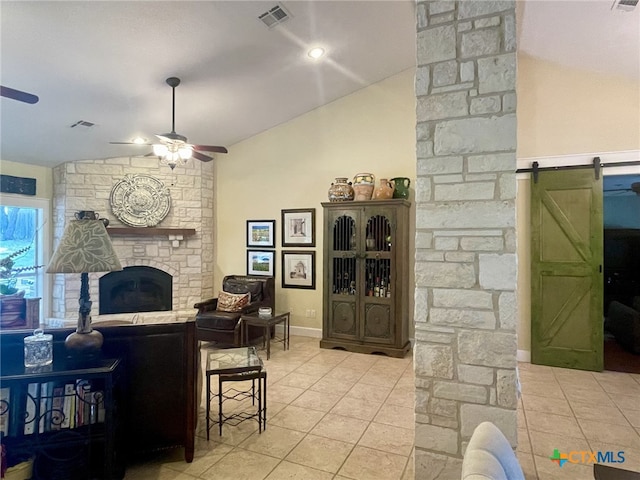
{"type": "Point", "coordinates": [293, 165]}
{"type": "Point", "coordinates": [43, 176]}
{"type": "Point", "coordinates": [564, 111]}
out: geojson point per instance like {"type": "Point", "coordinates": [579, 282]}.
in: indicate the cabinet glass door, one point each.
{"type": "Point", "coordinates": [377, 321]}
{"type": "Point", "coordinates": [344, 256]}
{"type": "Point", "coordinates": [343, 275]}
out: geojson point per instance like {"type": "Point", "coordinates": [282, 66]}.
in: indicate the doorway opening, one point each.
{"type": "Point", "coordinates": [621, 221]}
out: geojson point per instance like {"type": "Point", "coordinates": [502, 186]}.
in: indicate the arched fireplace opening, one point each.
{"type": "Point", "coordinates": [136, 289]}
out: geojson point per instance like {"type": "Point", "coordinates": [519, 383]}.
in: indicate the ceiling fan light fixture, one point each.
{"type": "Point", "coordinates": [160, 149]}
{"type": "Point", "coordinates": [185, 152]}
{"type": "Point", "coordinates": [139, 140]}
{"type": "Point", "coordinates": [173, 154]}
{"type": "Point", "coordinates": [172, 160]}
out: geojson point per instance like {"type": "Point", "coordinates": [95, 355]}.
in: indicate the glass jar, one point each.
{"type": "Point", "coordinates": [38, 349]}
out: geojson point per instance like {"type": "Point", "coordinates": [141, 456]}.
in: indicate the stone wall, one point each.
{"type": "Point", "coordinates": [87, 185]}
{"type": "Point", "coordinates": [465, 303]}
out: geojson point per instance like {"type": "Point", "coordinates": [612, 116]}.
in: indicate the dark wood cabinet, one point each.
{"type": "Point", "coordinates": [366, 276]}
{"type": "Point", "coordinates": [156, 388]}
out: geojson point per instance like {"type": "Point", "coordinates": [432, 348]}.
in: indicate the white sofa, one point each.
{"type": "Point", "coordinates": [490, 456]}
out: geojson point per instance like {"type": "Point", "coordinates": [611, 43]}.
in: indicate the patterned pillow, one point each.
{"type": "Point", "coordinates": [230, 302]}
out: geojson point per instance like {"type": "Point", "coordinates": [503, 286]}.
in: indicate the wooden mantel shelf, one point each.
{"type": "Point", "coordinates": [175, 235]}
{"type": "Point", "coordinates": [151, 231]}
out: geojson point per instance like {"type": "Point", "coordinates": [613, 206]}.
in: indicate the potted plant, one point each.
{"type": "Point", "coordinates": [8, 274]}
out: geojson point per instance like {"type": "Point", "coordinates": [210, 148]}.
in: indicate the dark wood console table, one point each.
{"type": "Point", "coordinates": [57, 422]}
{"type": "Point", "coordinates": [158, 382]}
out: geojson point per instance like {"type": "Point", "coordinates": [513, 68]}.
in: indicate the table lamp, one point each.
{"type": "Point", "coordinates": [85, 247]}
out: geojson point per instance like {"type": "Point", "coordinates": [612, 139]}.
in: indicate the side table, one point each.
{"type": "Point", "coordinates": [266, 322]}
{"type": "Point", "coordinates": [236, 365]}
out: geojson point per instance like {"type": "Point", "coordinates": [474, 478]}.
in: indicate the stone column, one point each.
{"type": "Point", "coordinates": [465, 303]}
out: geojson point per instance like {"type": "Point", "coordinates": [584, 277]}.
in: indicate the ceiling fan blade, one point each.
{"type": "Point", "coordinates": [18, 95]}
{"type": "Point", "coordinates": [129, 143]}
{"type": "Point", "coordinates": [201, 157]}
{"type": "Point", "coordinates": [210, 148]}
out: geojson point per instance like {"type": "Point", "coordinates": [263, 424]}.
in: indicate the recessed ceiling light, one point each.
{"type": "Point", "coordinates": [139, 140]}
{"type": "Point", "coordinates": [316, 53]}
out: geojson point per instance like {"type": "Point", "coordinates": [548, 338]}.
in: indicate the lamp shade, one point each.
{"type": "Point", "coordinates": [85, 247]}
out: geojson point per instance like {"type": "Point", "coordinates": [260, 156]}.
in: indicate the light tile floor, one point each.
{"type": "Point", "coordinates": [576, 410]}
{"type": "Point", "coordinates": [340, 415]}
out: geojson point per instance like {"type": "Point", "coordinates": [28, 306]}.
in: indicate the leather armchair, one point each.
{"type": "Point", "coordinates": [213, 325]}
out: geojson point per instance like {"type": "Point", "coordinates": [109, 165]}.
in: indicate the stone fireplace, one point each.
{"type": "Point", "coordinates": [177, 253]}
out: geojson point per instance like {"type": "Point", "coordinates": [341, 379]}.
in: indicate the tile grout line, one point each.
{"type": "Point", "coordinates": [526, 423]}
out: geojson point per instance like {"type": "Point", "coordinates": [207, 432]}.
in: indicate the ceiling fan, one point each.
{"type": "Point", "coordinates": [173, 148]}
{"type": "Point", "coordinates": [18, 95]}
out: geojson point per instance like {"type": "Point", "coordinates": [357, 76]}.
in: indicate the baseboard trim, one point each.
{"type": "Point", "coordinates": [317, 333]}
{"type": "Point", "coordinates": [301, 331]}
{"type": "Point", "coordinates": [523, 356]}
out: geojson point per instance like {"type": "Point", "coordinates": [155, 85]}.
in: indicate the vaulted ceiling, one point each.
{"type": "Point", "coordinates": [106, 62]}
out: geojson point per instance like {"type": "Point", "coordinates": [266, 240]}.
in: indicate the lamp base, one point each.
{"type": "Point", "coordinates": [84, 344]}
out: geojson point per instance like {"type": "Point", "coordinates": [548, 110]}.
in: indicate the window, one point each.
{"type": "Point", "coordinates": [22, 226]}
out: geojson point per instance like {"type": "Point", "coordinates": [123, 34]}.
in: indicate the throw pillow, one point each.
{"type": "Point", "coordinates": [231, 302]}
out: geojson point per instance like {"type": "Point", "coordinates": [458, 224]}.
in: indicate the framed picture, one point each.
{"type": "Point", "coordinates": [299, 227]}
{"type": "Point", "coordinates": [261, 262]}
{"type": "Point", "coordinates": [261, 233]}
{"type": "Point", "coordinates": [299, 269]}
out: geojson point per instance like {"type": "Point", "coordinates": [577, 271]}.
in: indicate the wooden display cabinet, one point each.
{"type": "Point", "coordinates": [366, 276]}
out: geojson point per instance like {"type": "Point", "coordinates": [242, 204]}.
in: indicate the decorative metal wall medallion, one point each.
{"type": "Point", "coordinates": [140, 200]}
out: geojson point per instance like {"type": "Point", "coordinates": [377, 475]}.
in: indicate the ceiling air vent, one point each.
{"type": "Point", "coordinates": [274, 16]}
{"type": "Point", "coordinates": [626, 5]}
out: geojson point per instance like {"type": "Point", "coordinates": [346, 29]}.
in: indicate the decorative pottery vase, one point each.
{"type": "Point", "coordinates": [363, 185]}
{"type": "Point", "coordinates": [341, 190]}
{"type": "Point", "coordinates": [90, 215]}
{"type": "Point", "coordinates": [401, 187]}
{"type": "Point", "coordinates": [384, 190]}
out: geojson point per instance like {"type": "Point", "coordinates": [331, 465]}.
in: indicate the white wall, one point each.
{"type": "Point", "coordinates": [293, 165]}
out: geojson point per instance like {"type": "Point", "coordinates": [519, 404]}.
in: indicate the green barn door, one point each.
{"type": "Point", "coordinates": [566, 269]}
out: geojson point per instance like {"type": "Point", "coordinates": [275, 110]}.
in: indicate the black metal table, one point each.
{"type": "Point", "coordinates": [236, 365]}
{"type": "Point", "coordinates": [266, 322]}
